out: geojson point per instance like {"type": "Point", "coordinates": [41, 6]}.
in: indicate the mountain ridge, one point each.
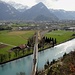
{"type": "Point", "coordinates": [7, 12]}
{"type": "Point", "coordinates": [64, 15]}
{"type": "Point", "coordinates": [38, 12]}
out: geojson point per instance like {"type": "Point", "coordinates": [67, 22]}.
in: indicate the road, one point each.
{"type": "Point", "coordinates": [35, 55]}
{"type": "Point", "coordinates": [38, 37]}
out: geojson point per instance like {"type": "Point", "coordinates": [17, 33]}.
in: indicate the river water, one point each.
{"type": "Point", "coordinates": [25, 64]}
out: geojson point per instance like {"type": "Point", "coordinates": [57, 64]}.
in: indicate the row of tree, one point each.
{"type": "Point", "coordinates": [19, 52]}
{"type": "Point", "coordinates": [5, 27]}
{"type": "Point", "coordinates": [49, 40]}
{"type": "Point", "coordinates": [4, 57]}
{"type": "Point", "coordinates": [44, 41]}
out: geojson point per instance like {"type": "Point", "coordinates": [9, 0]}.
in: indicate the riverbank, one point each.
{"type": "Point", "coordinates": [63, 66]}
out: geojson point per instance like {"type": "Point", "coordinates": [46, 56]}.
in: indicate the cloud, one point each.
{"type": "Point", "coordinates": [43, 1]}
{"type": "Point", "coordinates": [55, 0]}
{"type": "Point", "coordinates": [48, 3]}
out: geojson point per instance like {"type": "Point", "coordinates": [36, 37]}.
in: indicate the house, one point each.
{"type": "Point", "coordinates": [20, 47]}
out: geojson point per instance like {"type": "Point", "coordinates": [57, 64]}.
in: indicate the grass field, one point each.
{"type": "Point", "coordinates": [14, 38]}
{"type": "Point", "coordinates": [60, 35]}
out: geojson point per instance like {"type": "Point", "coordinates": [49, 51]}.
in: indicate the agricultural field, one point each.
{"type": "Point", "coordinates": [61, 35]}
{"type": "Point", "coordinates": [9, 39]}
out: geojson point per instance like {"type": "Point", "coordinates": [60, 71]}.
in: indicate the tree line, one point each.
{"type": "Point", "coordinates": [45, 42]}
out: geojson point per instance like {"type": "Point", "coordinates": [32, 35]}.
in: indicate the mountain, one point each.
{"type": "Point", "coordinates": [37, 11]}
{"type": "Point", "coordinates": [7, 12]}
{"type": "Point", "coordinates": [18, 6]}
{"type": "Point", "coordinates": [64, 15]}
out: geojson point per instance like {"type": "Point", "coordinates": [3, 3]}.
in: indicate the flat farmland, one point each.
{"type": "Point", "coordinates": [14, 38]}
{"type": "Point", "coordinates": [61, 35]}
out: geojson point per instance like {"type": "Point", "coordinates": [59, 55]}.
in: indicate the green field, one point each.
{"type": "Point", "coordinates": [14, 38]}
{"type": "Point", "coordinates": [61, 35]}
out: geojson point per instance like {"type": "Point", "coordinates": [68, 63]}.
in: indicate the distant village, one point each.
{"type": "Point", "coordinates": [54, 25]}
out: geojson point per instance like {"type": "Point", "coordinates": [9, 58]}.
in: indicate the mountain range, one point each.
{"type": "Point", "coordinates": [7, 12]}
{"type": "Point", "coordinates": [18, 6]}
{"type": "Point", "coordinates": [38, 12]}
{"type": "Point", "coordinates": [64, 15]}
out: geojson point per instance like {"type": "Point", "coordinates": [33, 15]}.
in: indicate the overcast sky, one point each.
{"type": "Point", "coordinates": [54, 4]}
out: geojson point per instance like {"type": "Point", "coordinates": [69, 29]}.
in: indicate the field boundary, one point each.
{"type": "Point", "coordinates": [7, 44]}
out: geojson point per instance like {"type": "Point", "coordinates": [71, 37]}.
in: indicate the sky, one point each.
{"type": "Point", "coordinates": [68, 5]}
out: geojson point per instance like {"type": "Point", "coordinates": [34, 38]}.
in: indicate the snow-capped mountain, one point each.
{"type": "Point", "coordinates": [18, 6]}
{"type": "Point", "coordinates": [7, 12]}
{"type": "Point", "coordinates": [64, 15]}
{"type": "Point", "coordinates": [38, 12]}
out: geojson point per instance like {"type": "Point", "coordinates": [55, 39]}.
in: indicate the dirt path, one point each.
{"type": "Point", "coordinates": [7, 44]}
{"type": "Point", "coordinates": [42, 33]}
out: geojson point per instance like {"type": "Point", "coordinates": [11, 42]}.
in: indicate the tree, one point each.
{"type": "Point", "coordinates": [55, 41]}
{"type": "Point", "coordinates": [47, 62]}
{"type": "Point", "coordinates": [1, 57]}
{"type": "Point", "coordinates": [9, 55]}
{"type": "Point", "coordinates": [28, 49]}
{"type": "Point", "coordinates": [52, 62]}
{"type": "Point", "coordinates": [15, 51]}
{"type": "Point", "coordinates": [46, 39]}
{"type": "Point", "coordinates": [23, 51]}
{"type": "Point", "coordinates": [52, 39]}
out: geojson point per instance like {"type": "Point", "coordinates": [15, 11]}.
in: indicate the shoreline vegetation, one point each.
{"type": "Point", "coordinates": [62, 66]}
{"type": "Point", "coordinates": [31, 52]}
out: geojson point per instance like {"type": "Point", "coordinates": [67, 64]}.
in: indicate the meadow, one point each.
{"type": "Point", "coordinates": [61, 35]}
{"type": "Point", "coordinates": [14, 38]}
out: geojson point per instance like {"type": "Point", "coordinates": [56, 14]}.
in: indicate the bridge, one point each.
{"type": "Point", "coordinates": [38, 37]}
{"type": "Point", "coordinates": [35, 55]}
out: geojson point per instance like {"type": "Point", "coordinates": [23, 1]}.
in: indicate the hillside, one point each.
{"type": "Point", "coordinates": [64, 15]}
{"type": "Point", "coordinates": [7, 12]}
{"type": "Point", "coordinates": [35, 12]}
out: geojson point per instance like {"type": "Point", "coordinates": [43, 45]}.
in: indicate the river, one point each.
{"type": "Point", "coordinates": [25, 64]}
